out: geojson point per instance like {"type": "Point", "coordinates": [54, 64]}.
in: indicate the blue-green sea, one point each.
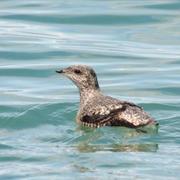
{"type": "Point", "coordinates": [133, 45]}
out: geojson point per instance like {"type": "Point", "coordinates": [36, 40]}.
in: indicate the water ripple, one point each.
{"type": "Point", "coordinates": [134, 48]}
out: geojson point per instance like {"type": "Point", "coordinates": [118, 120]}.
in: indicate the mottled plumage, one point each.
{"type": "Point", "coordinates": [98, 110]}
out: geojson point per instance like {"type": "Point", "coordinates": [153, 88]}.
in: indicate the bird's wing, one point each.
{"type": "Point", "coordinates": [99, 117]}
{"type": "Point", "coordinates": [122, 114]}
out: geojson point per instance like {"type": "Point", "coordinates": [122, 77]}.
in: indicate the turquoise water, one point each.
{"type": "Point", "coordinates": [134, 47]}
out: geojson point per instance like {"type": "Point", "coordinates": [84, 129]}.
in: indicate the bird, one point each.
{"type": "Point", "coordinates": [96, 109]}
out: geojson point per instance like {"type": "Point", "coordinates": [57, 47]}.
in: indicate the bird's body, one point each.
{"type": "Point", "coordinates": [102, 110]}
{"type": "Point", "coordinates": [98, 110]}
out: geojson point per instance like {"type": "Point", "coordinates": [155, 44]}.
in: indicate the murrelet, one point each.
{"type": "Point", "coordinates": [98, 110]}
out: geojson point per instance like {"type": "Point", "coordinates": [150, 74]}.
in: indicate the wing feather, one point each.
{"type": "Point", "coordinates": [128, 115]}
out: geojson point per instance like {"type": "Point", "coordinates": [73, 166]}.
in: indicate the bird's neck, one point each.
{"type": "Point", "coordinates": [87, 94]}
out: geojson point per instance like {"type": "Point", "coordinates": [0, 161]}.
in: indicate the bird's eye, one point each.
{"type": "Point", "coordinates": [77, 71]}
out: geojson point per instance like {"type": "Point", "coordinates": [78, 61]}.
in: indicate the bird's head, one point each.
{"type": "Point", "coordinates": [83, 76]}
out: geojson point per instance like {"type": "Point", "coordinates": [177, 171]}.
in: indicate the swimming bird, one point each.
{"type": "Point", "coordinates": [96, 109]}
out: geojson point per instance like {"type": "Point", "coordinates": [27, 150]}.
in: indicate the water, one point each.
{"type": "Point", "coordinates": [134, 47]}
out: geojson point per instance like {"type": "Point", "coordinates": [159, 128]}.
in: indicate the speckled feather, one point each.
{"type": "Point", "coordinates": [106, 111]}
{"type": "Point", "coordinates": [98, 110]}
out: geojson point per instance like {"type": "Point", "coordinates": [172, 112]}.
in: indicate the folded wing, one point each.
{"type": "Point", "coordinates": [120, 114]}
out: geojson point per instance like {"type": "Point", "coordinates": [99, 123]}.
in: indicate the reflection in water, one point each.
{"type": "Point", "coordinates": [86, 148]}
{"type": "Point", "coordinates": [114, 139]}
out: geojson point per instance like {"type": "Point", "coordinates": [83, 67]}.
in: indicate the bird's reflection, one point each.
{"type": "Point", "coordinates": [114, 140]}
{"type": "Point", "coordinates": [118, 148]}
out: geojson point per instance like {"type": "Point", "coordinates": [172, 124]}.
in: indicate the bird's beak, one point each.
{"type": "Point", "coordinates": [60, 71]}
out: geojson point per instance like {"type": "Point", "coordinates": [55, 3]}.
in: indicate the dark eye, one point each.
{"type": "Point", "coordinates": [77, 71]}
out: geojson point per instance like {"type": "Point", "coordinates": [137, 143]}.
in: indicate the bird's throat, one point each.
{"type": "Point", "coordinates": [88, 94]}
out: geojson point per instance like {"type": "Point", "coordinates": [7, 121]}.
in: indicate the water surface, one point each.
{"type": "Point", "coordinates": [134, 46]}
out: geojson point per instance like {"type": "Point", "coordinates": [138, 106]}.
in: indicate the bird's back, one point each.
{"type": "Point", "coordinates": [107, 111]}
